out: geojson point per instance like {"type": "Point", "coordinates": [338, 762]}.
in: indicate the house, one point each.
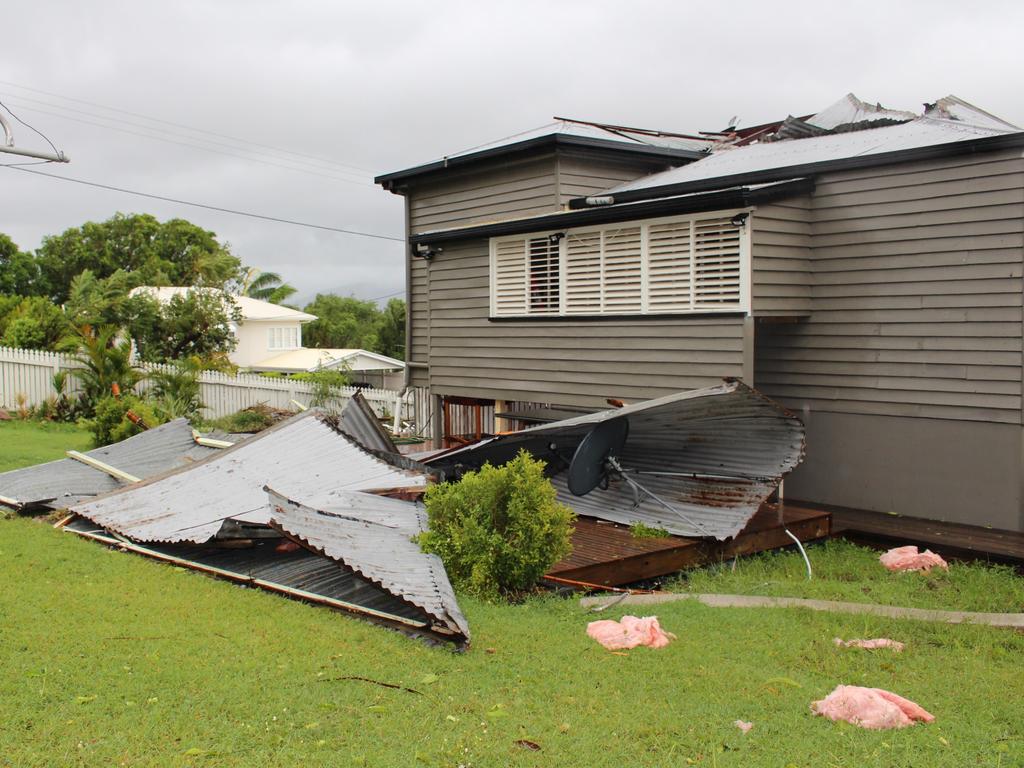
{"type": "Point", "coordinates": [862, 266]}
{"type": "Point", "coordinates": [264, 330]}
{"type": "Point", "coordinates": [362, 367]}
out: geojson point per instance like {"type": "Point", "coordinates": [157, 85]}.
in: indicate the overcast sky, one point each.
{"type": "Point", "coordinates": [289, 109]}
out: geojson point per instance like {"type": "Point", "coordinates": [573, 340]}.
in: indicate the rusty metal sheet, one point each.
{"type": "Point", "coordinates": [304, 454]}
{"type": "Point", "coordinates": [372, 536]}
{"type": "Point", "coordinates": [58, 484]}
{"type": "Point", "coordinates": [729, 446]}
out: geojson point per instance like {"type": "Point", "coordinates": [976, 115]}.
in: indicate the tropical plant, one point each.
{"type": "Point", "coordinates": [326, 383]}
{"type": "Point", "coordinates": [176, 390]}
{"type": "Point", "coordinates": [118, 418]}
{"type": "Point", "coordinates": [266, 286]}
{"type": "Point", "coordinates": [498, 530]}
{"type": "Point", "coordinates": [105, 362]}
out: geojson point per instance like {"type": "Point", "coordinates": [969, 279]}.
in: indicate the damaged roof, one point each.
{"type": "Point", "coordinates": [303, 454]}
{"type": "Point", "coordinates": [849, 131]}
{"type": "Point", "coordinates": [61, 483]}
{"type": "Point", "coordinates": [714, 455]}
{"type": "Point", "coordinates": [372, 536]}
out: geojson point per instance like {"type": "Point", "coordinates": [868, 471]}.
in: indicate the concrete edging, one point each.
{"type": "Point", "coordinates": [832, 606]}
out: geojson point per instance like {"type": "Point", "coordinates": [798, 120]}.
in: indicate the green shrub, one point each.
{"type": "Point", "coordinates": [111, 424]}
{"type": "Point", "coordinates": [641, 531]}
{"type": "Point", "coordinates": [498, 530]}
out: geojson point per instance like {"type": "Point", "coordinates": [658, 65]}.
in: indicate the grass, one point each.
{"type": "Point", "coordinates": [845, 571]}
{"type": "Point", "coordinates": [31, 442]}
{"type": "Point", "coordinates": [109, 659]}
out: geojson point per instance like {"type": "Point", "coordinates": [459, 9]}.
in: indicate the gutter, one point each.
{"type": "Point", "coordinates": [950, 149]}
{"type": "Point", "coordinates": [720, 199]}
{"type": "Point", "coordinates": [388, 180]}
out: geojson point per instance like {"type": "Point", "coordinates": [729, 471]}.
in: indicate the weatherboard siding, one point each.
{"type": "Point", "coordinates": [508, 190]}
{"type": "Point", "coordinates": [570, 362]}
{"type": "Point", "coordinates": [916, 295]}
{"type": "Point", "coordinates": [581, 173]}
{"type": "Point", "coordinates": [780, 253]}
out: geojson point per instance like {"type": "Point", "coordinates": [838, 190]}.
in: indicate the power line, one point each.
{"type": "Point", "coordinates": [182, 125]}
{"type": "Point", "coordinates": [208, 207]}
{"type": "Point", "coordinates": [388, 296]}
{"type": "Point", "coordinates": [363, 183]}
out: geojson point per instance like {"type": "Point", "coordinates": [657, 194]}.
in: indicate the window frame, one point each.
{"type": "Point", "coordinates": [743, 306]}
{"type": "Point", "coordinates": [285, 331]}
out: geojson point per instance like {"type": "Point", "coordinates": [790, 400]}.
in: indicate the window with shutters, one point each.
{"type": "Point", "coordinates": [287, 337]}
{"type": "Point", "coordinates": [682, 264]}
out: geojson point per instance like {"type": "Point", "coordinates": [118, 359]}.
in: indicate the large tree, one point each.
{"type": "Point", "coordinates": [174, 252]}
{"type": "Point", "coordinates": [391, 330]}
{"type": "Point", "coordinates": [19, 273]}
{"type": "Point", "coordinates": [343, 322]}
{"type": "Point", "coordinates": [196, 324]}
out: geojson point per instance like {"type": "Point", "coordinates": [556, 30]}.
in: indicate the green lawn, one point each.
{"type": "Point", "coordinates": [31, 442]}
{"type": "Point", "coordinates": [844, 571]}
{"type": "Point", "coordinates": [109, 659]}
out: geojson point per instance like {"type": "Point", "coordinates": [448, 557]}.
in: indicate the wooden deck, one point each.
{"type": "Point", "coordinates": [607, 554]}
{"type": "Point", "coordinates": [952, 539]}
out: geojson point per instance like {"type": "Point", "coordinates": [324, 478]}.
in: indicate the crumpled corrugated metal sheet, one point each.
{"type": "Point", "coordinates": [730, 445]}
{"type": "Point", "coordinates": [372, 535]}
{"type": "Point", "coordinates": [61, 483]}
{"type": "Point", "coordinates": [299, 573]}
{"type": "Point", "coordinates": [359, 422]}
{"type": "Point", "coordinates": [303, 454]}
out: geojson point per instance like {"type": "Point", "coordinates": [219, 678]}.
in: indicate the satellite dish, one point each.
{"type": "Point", "coordinates": [598, 456]}
{"type": "Point", "coordinates": [589, 463]}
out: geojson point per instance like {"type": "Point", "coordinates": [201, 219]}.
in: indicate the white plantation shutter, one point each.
{"type": "Point", "coordinates": [716, 263]}
{"type": "Point", "coordinates": [583, 272]}
{"type": "Point", "coordinates": [623, 287]}
{"type": "Point", "coordinates": [509, 280]}
{"type": "Point", "coordinates": [544, 271]}
{"type": "Point", "coordinates": [669, 267]}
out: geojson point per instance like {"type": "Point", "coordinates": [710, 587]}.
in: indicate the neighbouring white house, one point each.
{"type": "Point", "coordinates": [363, 367]}
{"type": "Point", "coordinates": [270, 339]}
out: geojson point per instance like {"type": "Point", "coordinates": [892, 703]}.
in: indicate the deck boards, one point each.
{"type": "Point", "coordinates": [607, 553]}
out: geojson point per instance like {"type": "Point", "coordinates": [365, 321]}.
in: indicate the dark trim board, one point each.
{"type": "Point", "coordinates": [717, 200]}
{"type": "Point", "coordinates": [388, 180]}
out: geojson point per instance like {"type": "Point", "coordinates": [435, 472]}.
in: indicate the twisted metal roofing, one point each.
{"type": "Point", "coordinates": [372, 536]}
{"type": "Point", "coordinates": [728, 447]}
{"type": "Point", "coordinates": [61, 483]}
{"type": "Point", "coordinates": [190, 504]}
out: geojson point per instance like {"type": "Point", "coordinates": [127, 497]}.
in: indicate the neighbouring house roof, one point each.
{"type": "Point", "coordinates": [309, 359]}
{"type": "Point", "coordinates": [567, 132]}
{"type": "Point", "coordinates": [251, 309]}
{"type": "Point", "coordinates": [842, 136]}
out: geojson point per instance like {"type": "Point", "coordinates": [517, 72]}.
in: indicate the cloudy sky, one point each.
{"type": "Point", "coordinates": [289, 109]}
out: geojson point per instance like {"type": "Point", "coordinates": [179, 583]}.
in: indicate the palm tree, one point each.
{"type": "Point", "coordinates": [266, 286]}
{"type": "Point", "coordinates": [105, 363]}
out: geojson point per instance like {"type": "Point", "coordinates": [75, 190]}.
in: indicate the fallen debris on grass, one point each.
{"type": "Point", "coordinates": [872, 708]}
{"type": "Point", "coordinates": [743, 725]}
{"type": "Point", "coordinates": [629, 632]}
{"type": "Point", "coordinates": [909, 559]}
{"type": "Point", "coordinates": [870, 645]}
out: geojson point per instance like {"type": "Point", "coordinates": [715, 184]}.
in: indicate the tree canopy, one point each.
{"type": "Point", "coordinates": [174, 252]}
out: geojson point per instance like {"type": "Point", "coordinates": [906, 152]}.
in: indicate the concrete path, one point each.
{"type": "Point", "coordinates": [833, 606]}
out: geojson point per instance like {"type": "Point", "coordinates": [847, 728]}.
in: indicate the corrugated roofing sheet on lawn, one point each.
{"type": "Point", "coordinates": [61, 483]}
{"type": "Point", "coordinates": [303, 454]}
{"type": "Point", "coordinates": [728, 445]}
{"type": "Point", "coordinates": [372, 535]}
{"type": "Point", "coordinates": [298, 573]}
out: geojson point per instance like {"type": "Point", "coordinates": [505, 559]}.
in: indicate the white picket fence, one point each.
{"type": "Point", "coordinates": [26, 378]}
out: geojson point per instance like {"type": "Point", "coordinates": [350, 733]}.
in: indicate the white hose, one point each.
{"type": "Point", "coordinates": [803, 551]}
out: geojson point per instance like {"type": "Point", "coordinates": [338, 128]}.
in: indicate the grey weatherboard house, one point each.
{"type": "Point", "coordinates": [862, 266]}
